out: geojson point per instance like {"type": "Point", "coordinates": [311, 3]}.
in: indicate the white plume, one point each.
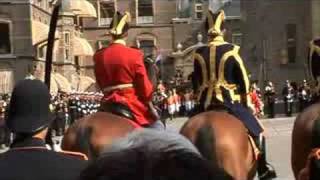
{"type": "Point", "coordinates": [216, 5]}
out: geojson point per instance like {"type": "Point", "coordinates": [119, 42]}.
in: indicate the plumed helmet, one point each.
{"type": "Point", "coordinates": [120, 23]}
{"type": "Point", "coordinates": [215, 22]}
{"type": "Point", "coordinates": [314, 58]}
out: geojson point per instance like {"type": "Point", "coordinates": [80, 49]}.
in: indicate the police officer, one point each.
{"type": "Point", "coordinates": [270, 98]}
{"type": "Point", "coordinates": [288, 97]}
{"type": "Point", "coordinates": [220, 77]}
{"type": "Point", "coordinates": [28, 158]}
{"type": "Point", "coordinates": [72, 109]}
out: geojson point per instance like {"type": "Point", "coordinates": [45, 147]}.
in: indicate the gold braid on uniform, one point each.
{"type": "Point", "coordinates": [314, 48]}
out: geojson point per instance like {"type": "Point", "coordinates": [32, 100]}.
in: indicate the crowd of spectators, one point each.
{"type": "Point", "coordinates": [293, 97]}
{"type": "Point", "coordinates": [65, 107]}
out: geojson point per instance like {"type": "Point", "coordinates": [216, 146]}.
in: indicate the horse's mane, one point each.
{"type": "Point", "coordinates": [152, 139]}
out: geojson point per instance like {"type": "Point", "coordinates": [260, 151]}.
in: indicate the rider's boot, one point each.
{"type": "Point", "coordinates": [265, 170]}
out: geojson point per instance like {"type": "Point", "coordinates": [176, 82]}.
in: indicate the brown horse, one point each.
{"type": "Point", "coordinates": [223, 139]}
{"type": "Point", "coordinates": [305, 137]}
{"type": "Point", "coordinates": [90, 134]}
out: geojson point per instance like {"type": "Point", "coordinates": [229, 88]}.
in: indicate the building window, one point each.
{"type": "Point", "coordinates": [198, 9]}
{"type": "Point", "coordinates": [148, 47]}
{"type": "Point", "coordinates": [184, 8]}
{"type": "Point", "coordinates": [237, 38]}
{"type": "Point", "coordinates": [67, 54]}
{"type": "Point", "coordinates": [102, 44]}
{"type": "Point", "coordinates": [145, 11]}
{"type": "Point", "coordinates": [39, 2]}
{"type": "Point", "coordinates": [67, 38]}
{"type": "Point", "coordinates": [66, 43]}
{"type": "Point", "coordinates": [291, 42]}
{"type": "Point", "coordinates": [5, 44]}
{"type": "Point", "coordinates": [77, 61]}
{"type": "Point", "coordinates": [42, 50]}
{"type": "Point", "coordinates": [106, 10]}
{"type": "Point", "coordinates": [6, 81]}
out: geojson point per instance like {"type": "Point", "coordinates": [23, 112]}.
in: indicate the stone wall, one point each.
{"type": "Point", "coordinates": [265, 35]}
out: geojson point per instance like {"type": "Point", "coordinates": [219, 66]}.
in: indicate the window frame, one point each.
{"type": "Point", "coordinates": [67, 46]}
{"type": "Point", "coordinates": [138, 21]}
{"type": "Point", "coordinates": [291, 42]}
{"type": "Point", "coordinates": [43, 49]}
{"type": "Point", "coordinates": [234, 35]}
{"type": "Point", "coordinates": [9, 22]}
{"type": "Point", "coordinates": [153, 39]}
{"type": "Point", "coordinates": [196, 11]}
{"type": "Point", "coordinates": [99, 13]}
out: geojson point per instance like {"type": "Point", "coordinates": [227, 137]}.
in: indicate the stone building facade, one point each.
{"type": "Point", "coordinates": [158, 27]}
{"type": "Point", "coordinates": [273, 36]}
{"type": "Point", "coordinates": [276, 35]}
{"type": "Point", "coordinates": [24, 28]}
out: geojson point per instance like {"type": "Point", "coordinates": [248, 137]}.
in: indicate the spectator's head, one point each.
{"type": "Point", "coordinates": [305, 82]}
{"type": "Point", "coordinates": [29, 112]}
{"type": "Point", "coordinates": [174, 90]}
{"type": "Point", "coordinates": [151, 155]}
{"type": "Point", "coordinates": [287, 82]}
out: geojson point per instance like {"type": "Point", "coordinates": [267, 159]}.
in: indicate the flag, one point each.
{"type": "Point", "coordinates": [159, 58]}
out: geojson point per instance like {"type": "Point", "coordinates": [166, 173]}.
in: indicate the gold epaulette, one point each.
{"type": "Point", "coordinates": [76, 154]}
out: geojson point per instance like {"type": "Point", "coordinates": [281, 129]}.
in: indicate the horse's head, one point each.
{"type": "Point", "coordinates": [152, 70]}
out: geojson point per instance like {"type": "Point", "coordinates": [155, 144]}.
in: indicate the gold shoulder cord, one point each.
{"type": "Point", "coordinates": [244, 76]}
{"type": "Point", "coordinates": [199, 58]}
{"type": "Point", "coordinates": [313, 49]}
{"type": "Point", "coordinates": [213, 79]}
{"type": "Point", "coordinates": [222, 82]}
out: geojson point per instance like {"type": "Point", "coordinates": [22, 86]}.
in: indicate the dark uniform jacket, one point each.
{"type": "Point", "coordinates": [30, 160]}
{"type": "Point", "coordinates": [221, 78]}
{"type": "Point", "coordinates": [220, 74]}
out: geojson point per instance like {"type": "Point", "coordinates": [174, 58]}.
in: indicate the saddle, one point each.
{"type": "Point", "coordinates": [221, 108]}
{"type": "Point", "coordinates": [117, 109]}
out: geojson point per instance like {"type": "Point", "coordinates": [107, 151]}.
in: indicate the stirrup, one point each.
{"type": "Point", "coordinates": [270, 173]}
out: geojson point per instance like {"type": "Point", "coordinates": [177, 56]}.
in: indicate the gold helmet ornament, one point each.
{"type": "Point", "coordinates": [314, 58]}
{"type": "Point", "coordinates": [215, 22]}
{"type": "Point", "coordinates": [120, 23]}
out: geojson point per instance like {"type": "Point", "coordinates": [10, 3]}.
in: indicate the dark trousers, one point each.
{"type": "Point", "coordinates": [302, 104]}
{"type": "Point", "coordinates": [270, 107]}
{"type": "Point", "coordinates": [4, 135]}
{"type": "Point", "coordinates": [288, 106]}
{"type": "Point", "coordinates": [247, 118]}
{"type": "Point", "coordinates": [59, 124]}
{"type": "Point", "coordinates": [73, 115]}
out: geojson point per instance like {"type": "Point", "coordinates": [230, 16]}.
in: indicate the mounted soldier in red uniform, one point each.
{"type": "Point", "coordinates": [121, 74]}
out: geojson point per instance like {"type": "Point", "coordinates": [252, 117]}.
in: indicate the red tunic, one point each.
{"type": "Point", "coordinates": [119, 64]}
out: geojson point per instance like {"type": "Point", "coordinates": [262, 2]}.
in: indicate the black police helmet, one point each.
{"type": "Point", "coordinates": [29, 110]}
